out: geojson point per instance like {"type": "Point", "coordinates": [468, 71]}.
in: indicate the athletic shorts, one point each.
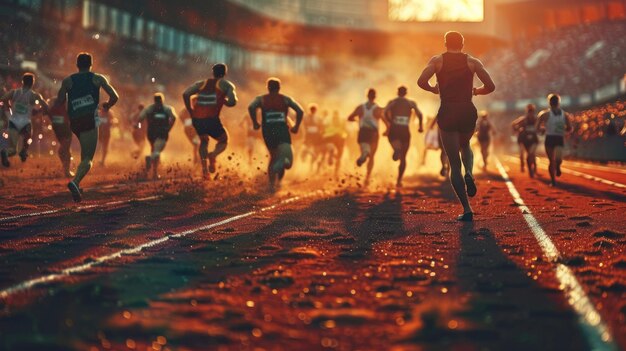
{"type": "Point", "coordinates": [276, 135]}
{"type": "Point", "coordinates": [208, 126]}
{"type": "Point", "coordinates": [27, 129]}
{"type": "Point", "coordinates": [554, 141]}
{"type": "Point", "coordinates": [157, 133]}
{"type": "Point", "coordinates": [527, 139]}
{"type": "Point", "coordinates": [402, 135]}
{"type": "Point", "coordinates": [457, 117]}
{"type": "Point", "coordinates": [82, 124]}
{"type": "Point", "coordinates": [367, 136]}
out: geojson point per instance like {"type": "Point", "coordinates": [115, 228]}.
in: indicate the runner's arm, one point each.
{"type": "Point", "coordinates": [427, 73]}
{"type": "Point", "coordinates": [231, 95]}
{"type": "Point", "coordinates": [488, 86]}
{"type": "Point", "coordinates": [189, 92]}
{"type": "Point", "coordinates": [143, 114]}
{"type": "Point", "coordinates": [172, 116]}
{"type": "Point", "coordinates": [420, 116]}
{"type": "Point", "coordinates": [108, 88]}
{"type": "Point", "coordinates": [252, 109]}
{"type": "Point", "coordinates": [299, 113]}
{"type": "Point", "coordinates": [356, 113]}
{"type": "Point", "coordinates": [62, 94]}
{"type": "Point", "coordinates": [568, 123]}
{"type": "Point", "coordinates": [541, 119]}
{"type": "Point", "coordinates": [39, 100]}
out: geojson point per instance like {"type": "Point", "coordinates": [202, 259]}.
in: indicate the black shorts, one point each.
{"type": "Point", "coordinates": [276, 135]}
{"type": "Point", "coordinates": [82, 124]}
{"type": "Point", "coordinates": [368, 136]}
{"type": "Point", "coordinates": [157, 133]}
{"type": "Point", "coordinates": [527, 139]}
{"type": "Point", "coordinates": [27, 129]}
{"type": "Point", "coordinates": [553, 141]}
{"type": "Point", "coordinates": [457, 117]}
{"type": "Point", "coordinates": [209, 126]}
{"type": "Point", "coordinates": [403, 135]}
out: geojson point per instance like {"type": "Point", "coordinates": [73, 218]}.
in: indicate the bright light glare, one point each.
{"type": "Point", "coordinates": [436, 10]}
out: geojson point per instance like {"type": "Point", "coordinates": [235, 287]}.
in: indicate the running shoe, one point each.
{"type": "Point", "coordinates": [558, 170]}
{"type": "Point", "coordinates": [466, 217]}
{"type": "Point", "coordinates": [212, 163]}
{"type": "Point", "coordinates": [360, 161]}
{"type": "Point", "coordinates": [23, 155]}
{"type": "Point", "coordinates": [75, 190]}
{"type": "Point", "coordinates": [471, 186]}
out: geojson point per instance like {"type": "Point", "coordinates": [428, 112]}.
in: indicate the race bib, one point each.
{"type": "Point", "coordinates": [401, 120]}
{"type": "Point", "coordinates": [160, 116]}
{"type": "Point", "coordinates": [20, 109]}
{"type": "Point", "coordinates": [102, 120]}
{"type": "Point", "coordinates": [188, 123]}
{"type": "Point", "coordinates": [81, 102]}
{"type": "Point", "coordinates": [58, 119]}
{"type": "Point", "coordinates": [207, 99]}
{"type": "Point", "coordinates": [275, 117]}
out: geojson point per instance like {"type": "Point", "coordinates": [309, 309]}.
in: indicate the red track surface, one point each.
{"type": "Point", "coordinates": [352, 268]}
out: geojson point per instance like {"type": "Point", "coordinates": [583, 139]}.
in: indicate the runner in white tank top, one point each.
{"type": "Point", "coordinates": [369, 115]}
{"type": "Point", "coordinates": [556, 122]}
{"type": "Point", "coordinates": [22, 102]}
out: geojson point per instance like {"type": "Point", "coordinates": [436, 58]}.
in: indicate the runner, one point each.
{"type": "Point", "coordinates": [527, 138]}
{"type": "Point", "coordinates": [82, 91]}
{"type": "Point", "coordinates": [334, 139]}
{"type": "Point", "coordinates": [212, 95]}
{"type": "Point", "coordinates": [483, 134]}
{"type": "Point", "coordinates": [457, 115]}
{"type": "Point", "coordinates": [61, 127]}
{"type": "Point", "coordinates": [190, 131]}
{"type": "Point", "coordinates": [104, 119]}
{"type": "Point", "coordinates": [160, 118]}
{"type": "Point", "coordinates": [369, 113]}
{"type": "Point", "coordinates": [274, 108]}
{"type": "Point", "coordinates": [313, 137]}
{"type": "Point", "coordinates": [398, 114]}
{"type": "Point", "coordinates": [139, 131]}
{"type": "Point", "coordinates": [557, 123]}
{"type": "Point", "coordinates": [20, 104]}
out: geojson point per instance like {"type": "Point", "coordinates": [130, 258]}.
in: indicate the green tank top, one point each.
{"type": "Point", "coordinates": [84, 96]}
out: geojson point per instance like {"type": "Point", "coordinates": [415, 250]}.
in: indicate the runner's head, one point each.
{"type": "Point", "coordinates": [84, 61]}
{"type": "Point", "coordinates": [402, 91]}
{"type": "Point", "coordinates": [371, 95]}
{"type": "Point", "coordinates": [312, 108]}
{"type": "Point", "coordinates": [273, 85]}
{"type": "Point", "coordinates": [219, 70]}
{"type": "Point", "coordinates": [554, 100]}
{"type": "Point", "coordinates": [140, 107]}
{"type": "Point", "coordinates": [159, 99]}
{"type": "Point", "coordinates": [530, 108]}
{"type": "Point", "coordinates": [28, 80]}
{"type": "Point", "coordinates": [454, 41]}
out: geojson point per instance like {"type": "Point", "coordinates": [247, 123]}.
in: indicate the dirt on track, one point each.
{"type": "Point", "coordinates": [350, 268]}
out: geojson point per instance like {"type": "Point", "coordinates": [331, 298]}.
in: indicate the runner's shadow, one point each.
{"type": "Point", "coordinates": [508, 309]}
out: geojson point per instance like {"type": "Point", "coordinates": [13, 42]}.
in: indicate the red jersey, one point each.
{"type": "Point", "coordinates": [210, 100]}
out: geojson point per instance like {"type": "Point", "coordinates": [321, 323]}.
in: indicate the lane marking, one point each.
{"type": "Point", "coordinates": [27, 284]}
{"type": "Point", "coordinates": [581, 174]}
{"type": "Point", "coordinates": [79, 208]}
{"type": "Point", "coordinates": [590, 321]}
{"type": "Point", "coordinates": [594, 167]}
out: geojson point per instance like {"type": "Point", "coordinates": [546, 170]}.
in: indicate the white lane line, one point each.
{"type": "Point", "coordinates": [102, 259]}
{"type": "Point", "coordinates": [590, 321]}
{"type": "Point", "coordinates": [595, 167]}
{"type": "Point", "coordinates": [79, 208]}
{"type": "Point", "coordinates": [583, 175]}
